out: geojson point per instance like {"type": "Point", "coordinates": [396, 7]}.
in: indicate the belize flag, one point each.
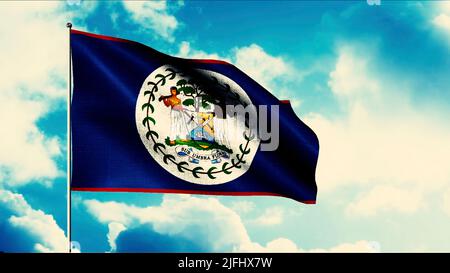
{"type": "Point", "coordinates": [144, 121]}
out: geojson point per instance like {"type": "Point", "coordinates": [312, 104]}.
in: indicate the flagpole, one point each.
{"type": "Point", "coordinates": [69, 147]}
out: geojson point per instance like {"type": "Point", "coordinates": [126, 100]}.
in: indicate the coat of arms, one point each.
{"type": "Point", "coordinates": [178, 121]}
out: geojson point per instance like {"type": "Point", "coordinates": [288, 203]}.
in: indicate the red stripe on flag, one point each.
{"type": "Point", "coordinates": [187, 192]}
{"type": "Point", "coordinates": [208, 61]}
{"type": "Point", "coordinates": [109, 38]}
{"type": "Point", "coordinates": [103, 37]}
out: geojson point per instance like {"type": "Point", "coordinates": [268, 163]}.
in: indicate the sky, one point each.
{"type": "Point", "coordinates": [371, 81]}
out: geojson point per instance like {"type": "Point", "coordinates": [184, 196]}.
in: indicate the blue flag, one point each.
{"type": "Point", "coordinates": [144, 121]}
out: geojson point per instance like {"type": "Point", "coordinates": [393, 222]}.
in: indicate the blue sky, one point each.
{"type": "Point", "coordinates": [371, 80]}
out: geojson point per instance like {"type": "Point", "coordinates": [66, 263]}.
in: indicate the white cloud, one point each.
{"type": "Point", "coordinates": [386, 198]}
{"type": "Point", "coordinates": [286, 245]}
{"type": "Point", "coordinates": [380, 140]}
{"type": "Point", "coordinates": [277, 245]}
{"type": "Point", "coordinates": [351, 76]}
{"type": "Point", "coordinates": [186, 51]}
{"type": "Point", "coordinates": [34, 52]}
{"type": "Point", "coordinates": [25, 150]}
{"type": "Point", "coordinates": [442, 6]}
{"type": "Point", "coordinates": [114, 229]}
{"type": "Point", "coordinates": [270, 217]}
{"type": "Point", "coordinates": [41, 226]}
{"type": "Point", "coordinates": [33, 65]}
{"type": "Point", "coordinates": [446, 201]}
{"type": "Point", "coordinates": [370, 146]}
{"type": "Point", "coordinates": [154, 15]}
{"type": "Point", "coordinates": [281, 245]}
{"type": "Point", "coordinates": [220, 227]}
{"type": "Point", "coordinates": [38, 36]}
{"type": "Point", "coordinates": [242, 206]}
{"type": "Point", "coordinates": [359, 246]}
{"type": "Point", "coordinates": [442, 21]}
{"type": "Point", "coordinates": [175, 216]}
{"type": "Point", "coordinates": [441, 17]}
{"type": "Point", "coordinates": [263, 67]}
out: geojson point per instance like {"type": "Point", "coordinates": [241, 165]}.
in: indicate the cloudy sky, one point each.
{"type": "Point", "coordinates": [372, 81]}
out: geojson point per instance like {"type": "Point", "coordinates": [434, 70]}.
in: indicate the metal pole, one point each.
{"type": "Point", "coordinates": [69, 146]}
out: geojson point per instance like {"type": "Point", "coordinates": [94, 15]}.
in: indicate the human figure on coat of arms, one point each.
{"type": "Point", "coordinates": [178, 123]}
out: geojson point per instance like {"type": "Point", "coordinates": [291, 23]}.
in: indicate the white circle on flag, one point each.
{"type": "Point", "coordinates": [189, 131]}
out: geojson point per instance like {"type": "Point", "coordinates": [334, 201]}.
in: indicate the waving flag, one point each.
{"type": "Point", "coordinates": [143, 121]}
